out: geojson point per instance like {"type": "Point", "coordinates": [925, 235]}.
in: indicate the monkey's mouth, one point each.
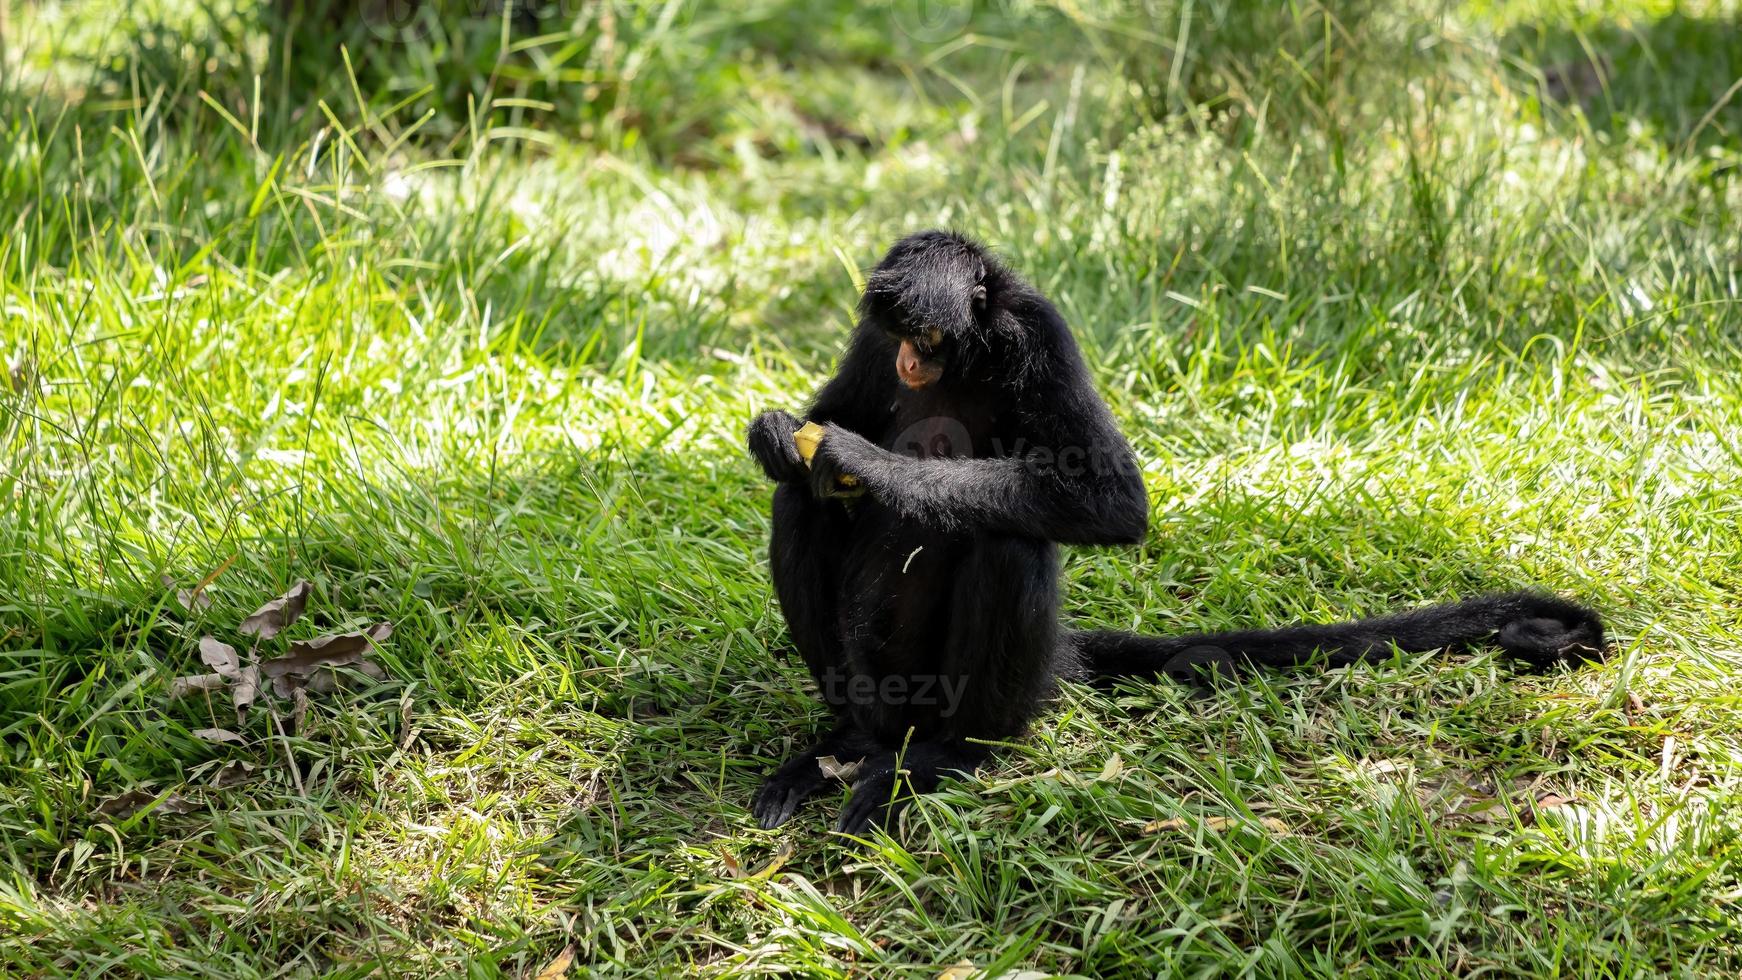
{"type": "Point", "coordinates": [914, 370]}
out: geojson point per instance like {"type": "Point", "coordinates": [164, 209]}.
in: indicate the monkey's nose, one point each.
{"type": "Point", "coordinates": [915, 371]}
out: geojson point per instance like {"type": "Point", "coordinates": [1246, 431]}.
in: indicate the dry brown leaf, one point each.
{"type": "Point", "coordinates": [219, 735]}
{"type": "Point", "coordinates": [333, 650]}
{"type": "Point", "coordinates": [834, 768]}
{"type": "Point", "coordinates": [266, 621]}
{"type": "Point", "coordinates": [558, 968]}
{"type": "Point", "coordinates": [1635, 707]}
{"type": "Point", "coordinates": [194, 600]}
{"type": "Point", "coordinates": [136, 801]}
{"type": "Point", "coordinates": [246, 691]}
{"type": "Point", "coordinates": [733, 868]}
{"type": "Point", "coordinates": [233, 773]}
{"type": "Point", "coordinates": [328, 681]}
{"type": "Point", "coordinates": [181, 687]}
{"type": "Point", "coordinates": [298, 707]}
{"type": "Point", "coordinates": [221, 657]}
{"type": "Point", "coordinates": [1543, 804]}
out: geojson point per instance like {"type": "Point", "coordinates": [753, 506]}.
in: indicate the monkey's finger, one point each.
{"type": "Point", "coordinates": [822, 476]}
{"type": "Point", "coordinates": [855, 818]}
{"type": "Point", "coordinates": [774, 805]}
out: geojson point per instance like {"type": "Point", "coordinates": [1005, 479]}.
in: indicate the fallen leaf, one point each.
{"type": "Point", "coordinates": [221, 657]}
{"type": "Point", "coordinates": [136, 801]}
{"type": "Point", "coordinates": [962, 970]}
{"type": "Point", "coordinates": [181, 687]}
{"type": "Point", "coordinates": [1635, 707]}
{"type": "Point", "coordinates": [246, 691]}
{"type": "Point", "coordinates": [328, 681]}
{"type": "Point", "coordinates": [219, 735]}
{"type": "Point", "coordinates": [558, 968]}
{"type": "Point", "coordinates": [266, 621]}
{"type": "Point", "coordinates": [233, 773]}
{"type": "Point", "coordinates": [1115, 765]}
{"type": "Point", "coordinates": [193, 600]}
{"type": "Point", "coordinates": [733, 868]}
{"type": "Point", "coordinates": [1552, 801]}
{"type": "Point", "coordinates": [333, 650]}
{"type": "Point", "coordinates": [834, 768]}
{"type": "Point", "coordinates": [298, 707]}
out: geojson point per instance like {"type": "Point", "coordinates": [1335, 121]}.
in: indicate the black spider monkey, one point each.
{"type": "Point", "coordinates": [925, 598]}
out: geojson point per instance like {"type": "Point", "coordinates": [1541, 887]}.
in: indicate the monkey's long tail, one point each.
{"type": "Point", "coordinates": [1539, 630]}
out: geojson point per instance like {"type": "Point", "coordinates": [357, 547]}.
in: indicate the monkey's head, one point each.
{"type": "Point", "coordinates": [931, 295]}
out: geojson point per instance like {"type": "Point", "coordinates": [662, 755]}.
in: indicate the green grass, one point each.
{"type": "Point", "coordinates": [468, 337]}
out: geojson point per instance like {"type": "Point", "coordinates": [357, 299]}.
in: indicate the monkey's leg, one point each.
{"type": "Point", "coordinates": [809, 538]}
{"type": "Point", "coordinates": [994, 669]}
{"type": "Point", "coordinates": [804, 554]}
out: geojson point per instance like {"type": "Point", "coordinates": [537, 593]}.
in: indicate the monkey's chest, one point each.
{"type": "Point", "coordinates": [939, 427]}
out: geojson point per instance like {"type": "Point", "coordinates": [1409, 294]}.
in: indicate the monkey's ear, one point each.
{"type": "Point", "coordinates": [980, 296]}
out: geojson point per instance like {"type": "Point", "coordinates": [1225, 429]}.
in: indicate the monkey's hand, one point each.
{"type": "Point", "coordinates": [843, 453]}
{"type": "Point", "coordinates": [771, 443]}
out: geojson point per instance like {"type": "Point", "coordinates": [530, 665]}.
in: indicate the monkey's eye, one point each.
{"type": "Point", "coordinates": [980, 297]}
{"type": "Point", "coordinates": [933, 338]}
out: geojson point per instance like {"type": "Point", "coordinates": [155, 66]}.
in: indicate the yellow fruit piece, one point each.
{"type": "Point", "coordinates": [807, 438]}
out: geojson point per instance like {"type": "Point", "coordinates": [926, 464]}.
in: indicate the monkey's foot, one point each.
{"type": "Point", "coordinates": [799, 779]}
{"type": "Point", "coordinates": [878, 799]}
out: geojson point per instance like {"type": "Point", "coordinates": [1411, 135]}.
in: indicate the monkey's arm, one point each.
{"type": "Point", "coordinates": [1088, 492]}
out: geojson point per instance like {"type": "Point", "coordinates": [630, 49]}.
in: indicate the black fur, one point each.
{"type": "Point", "coordinates": [943, 573]}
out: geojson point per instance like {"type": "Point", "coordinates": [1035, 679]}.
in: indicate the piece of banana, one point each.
{"type": "Point", "coordinates": [807, 438]}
